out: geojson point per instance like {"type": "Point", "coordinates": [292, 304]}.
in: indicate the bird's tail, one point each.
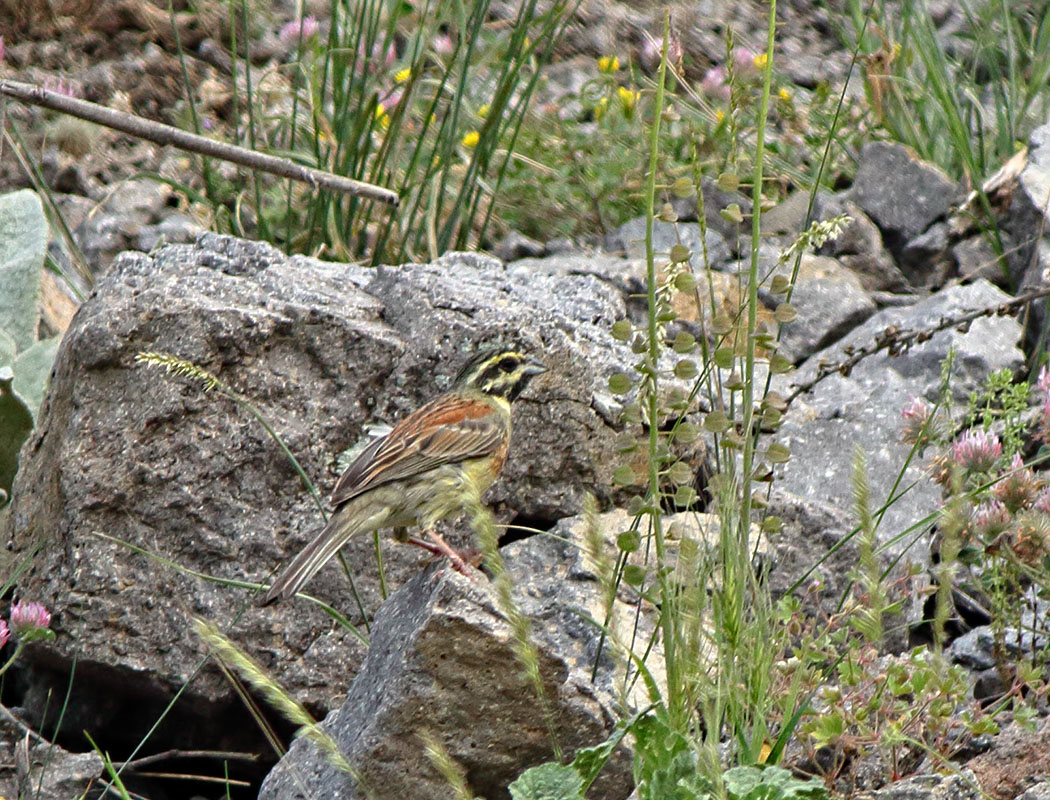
{"type": "Point", "coordinates": [339, 530]}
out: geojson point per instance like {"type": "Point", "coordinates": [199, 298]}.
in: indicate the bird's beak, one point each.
{"type": "Point", "coordinates": [534, 367]}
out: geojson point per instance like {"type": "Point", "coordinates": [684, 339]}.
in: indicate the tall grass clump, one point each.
{"type": "Point", "coordinates": [967, 104]}
{"type": "Point", "coordinates": [709, 664]}
{"type": "Point", "coordinates": [424, 99]}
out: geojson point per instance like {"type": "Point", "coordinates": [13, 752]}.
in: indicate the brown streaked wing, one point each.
{"type": "Point", "coordinates": [444, 431]}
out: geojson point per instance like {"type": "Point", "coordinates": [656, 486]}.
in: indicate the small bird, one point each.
{"type": "Point", "coordinates": [434, 464]}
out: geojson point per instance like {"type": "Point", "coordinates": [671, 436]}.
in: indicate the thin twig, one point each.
{"type": "Point", "coordinates": [162, 134]}
{"type": "Point", "coordinates": [228, 755]}
{"type": "Point", "coordinates": [7, 715]}
{"type": "Point", "coordinates": [896, 341]}
{"type": "Point", "coordinates": [180, 776]}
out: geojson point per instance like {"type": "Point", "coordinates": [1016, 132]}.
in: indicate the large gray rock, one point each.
{"type": "Point", "coordinates": [154, 461]}
{"type": "Point", "coordinates": [442, 661]}
{"type": "Point", "coordinates": [1026, 223]}
{"type": "Point", "coordinates": [901, 193]}
{"type": "Point", "coordinates": [823, 427]}
{"type": "Point", "coordinates": [859, 246]}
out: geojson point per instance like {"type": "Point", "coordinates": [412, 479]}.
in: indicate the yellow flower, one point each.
{"type": "Point", "coordinates": [599, 109]}
{"type": "Point", "coordinates": [608, 64]}
{"type": "Point", "coordinates": [628, 99]}
{"type": "Point", "coordinates": [403, 75]}
{"type": "Point", "coordinates": [785, 95]}
{"type": "Point", "coordinates": [719, 115]}
{"type": "Point", "coordinates": [380, 112]}
{"type": "Point", "coordinates": [760, 60]}
{"type": "Point", "coordinates": [483, 112]}
{"type": "Point", "coordinates": [471, 139]}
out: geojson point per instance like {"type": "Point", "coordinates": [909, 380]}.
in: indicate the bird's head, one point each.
{"type": "Point", "coordinates": [502, 373]}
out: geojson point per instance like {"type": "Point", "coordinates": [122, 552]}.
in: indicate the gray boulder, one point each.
{"type": "Point", "coordinates": [823, 427]}
{"type": "Point", "coordinates": [442, 662]}
{"type": "Point", "coordinates": [901, 193]}
{"type": "Point", "coordinates": [126, 456]}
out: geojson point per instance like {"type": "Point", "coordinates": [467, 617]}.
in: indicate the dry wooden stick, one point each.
{"type": "Point", "coordinates": [166, 134]}
{"type": "Point", "coordinates": [896, 341]}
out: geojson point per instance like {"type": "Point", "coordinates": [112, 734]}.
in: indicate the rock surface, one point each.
{"type": "Point", "coordinates": [902, 194]}
{"type": "Point", "coordinates": [823, 427]}
{"type": "Point", "coordinates": [442, 661]}
{"type": "Point", "coordinates": [34, 767]}
{"type": "Point", "coordinates": [123, 451]}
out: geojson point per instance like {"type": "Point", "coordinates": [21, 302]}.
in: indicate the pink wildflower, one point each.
{"type": "Point", "coordinates": [370, 61]}
{"type": "Point", "coordinates": [443, 44]}
{"type": "Point", "coordinates": [306, 28]}
{"type": "Point", "coordinates": [27, 617]}
{"type": "Point", "coordinates": [1020, 488]}
{"type": "Point", "coordinates": [62, 86]}
{"type": "Point", "coordinates": [5, 633]}
{"type": "Point", "coordinates": [977, 451]}
{"type": "Point", "coordinates": [989, 519]}
{"type": "Point", "coordinates": [389, 103]}
{"type": "Point", "coordinates": [715, 83]}
{"type": "Point", "coordinates": [915, 416]}
{"type": "Point", "coordinates": [744, 61]}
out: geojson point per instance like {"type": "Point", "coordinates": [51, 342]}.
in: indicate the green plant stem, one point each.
{"type": "Point", "coordinates": [752, 282]}
{"type": "Point", "coordinates": [668, 617]}
{"type": "Point", "coordinates": [18, 651]}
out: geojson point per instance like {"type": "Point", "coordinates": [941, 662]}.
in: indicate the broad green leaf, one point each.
{"type": "Point", "coordinates": [550, 781]}
{"type": "Point", "coordinates": [8, 348]}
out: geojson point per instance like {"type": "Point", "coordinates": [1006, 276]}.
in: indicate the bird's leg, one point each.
{"type": "Point", "coordinates": [439, 546]}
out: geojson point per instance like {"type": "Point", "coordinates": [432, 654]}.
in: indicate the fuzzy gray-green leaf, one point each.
{"type": "Point", "coordinates": [15, 425]}
{"type": "Point", "coordinates": [32, 368]}
{"type": "Point", "coordinates": [24, 232]}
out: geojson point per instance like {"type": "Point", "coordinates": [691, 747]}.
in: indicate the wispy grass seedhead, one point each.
{"type": "Point", "coordinates": [182, 368]}
{"type": "Point", "coordinates": [223, 649]}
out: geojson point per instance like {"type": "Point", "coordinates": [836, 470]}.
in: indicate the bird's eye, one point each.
{"type": "Point", "coordinates": [508, 363]}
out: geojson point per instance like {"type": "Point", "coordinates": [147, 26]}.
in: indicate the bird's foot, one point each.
{"type": "Point", "coordinates": [461, 562]}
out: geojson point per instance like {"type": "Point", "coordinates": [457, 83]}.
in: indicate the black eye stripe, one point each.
{"type": "Point", "coordinates": [490, 375]}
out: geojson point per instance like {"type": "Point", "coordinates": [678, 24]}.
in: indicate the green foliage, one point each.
{"type": "Point", "coordinates": [666, 764]}
{"type": "Point", "coordinates": [770, 783]}
{"type": "Point", "coordinates": [548, 781]}
{"type": "Point", "coordinates": [16, 423]}
{"type": "Point", "coordinates": [24, 232]}
{"type": "Point", "coordinates": [968, 107]}
{"type": "Point", "coordinates": [1001, 402]}
{"type": "Point", "coordinates": [25, 363]}
{"type": "Point", "coordinates": [896, 707]}
{"type": "Point", "coordinates": [427, 101]}
{"type": "Point", "coordinates": [868, 617]}
{"type": "Point", "coordinates": [32, 368]}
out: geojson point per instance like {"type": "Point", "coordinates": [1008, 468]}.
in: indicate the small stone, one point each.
{"type": "Point", "coordinates": [629, 240]}
{"type": "Point", "coordinates": [975, 258]}
{"type": "Point", "coordinates": [517, 245]}
{"type": "Point", "coordinates": [924, 259]}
